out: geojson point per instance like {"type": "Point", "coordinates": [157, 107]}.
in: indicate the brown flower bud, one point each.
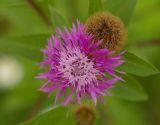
{"type": "Point", "coordinates": [84, 115]}
{"type": "Point", "coordinates": [109, 28]}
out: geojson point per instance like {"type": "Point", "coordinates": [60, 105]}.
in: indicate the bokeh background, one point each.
{"type": "Point", "coordinates": [19, 98]}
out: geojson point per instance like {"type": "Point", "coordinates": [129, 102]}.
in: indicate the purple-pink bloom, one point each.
{"type": "Point", "coordinates": [77, 67]}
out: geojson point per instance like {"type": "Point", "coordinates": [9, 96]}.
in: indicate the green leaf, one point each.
{"type": "Point", "coordinates": [122, 8]}
{"type": "Point", "coordinates": [56, 18]}
{"type": "Point", "coordinates": [55, 116]}
{"type": "Point", "coordinates": [131, 89]}
{"type": "Point", "coordinates": [27, 46]}
{"type": "Point", "coordinates": [122, 112]}
{"type": "Point", "coordinates": [29, 23]}
{"type": "Point", "coordinates": [95, 6]}
{"type": "Point", "coordinates": [137, 66]}
{"type": "Point", "coordinates": [4, 3]}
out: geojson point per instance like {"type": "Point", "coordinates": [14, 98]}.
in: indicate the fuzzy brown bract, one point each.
{"type": "Point", "coordinates": [109, 28]}
{"type": "Point", "coordinates": [84, 115]}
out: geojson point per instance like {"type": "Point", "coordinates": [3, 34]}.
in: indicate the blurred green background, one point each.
{"type": "Point", "coordinates": [19, 98]}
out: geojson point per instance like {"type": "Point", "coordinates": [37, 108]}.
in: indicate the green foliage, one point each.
{"type": "Point", "coordinates": [18, 102]}
{"type": "Point", "coordinates": [122, 8]}
{"type": "Point", "coordinates": [95, 6]}
{"type": "Point", "coordinates": [137, 66]}
{"type": "Point", "coordinates": [145, 22]}
{"type": "Point", "coordinates": [56, 116]}
{"type": "Point", "coordinates": [27, 33]}
{"type": "Point", "coordinates": [56, 18]}
{"type": "Point", "coordinates": [23, 20]}
{"type": "Point", "coordinates": [131, 89]}
{"type": "Point", "coordinates": [28, 46]}
{"type": "Point", "coordinates": [5, 3]}
{"type": "Point", "coordinates": [123, 112]}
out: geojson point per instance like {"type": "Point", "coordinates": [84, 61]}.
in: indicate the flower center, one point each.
{"type": "Point", "coordinates": [77, 67]}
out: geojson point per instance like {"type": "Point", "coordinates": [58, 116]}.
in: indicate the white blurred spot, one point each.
{"type": "Point", "coordinates": [10, 72]}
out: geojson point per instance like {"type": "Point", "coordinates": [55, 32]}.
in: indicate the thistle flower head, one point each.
{"type": "Point", "coordinates": [104, 25]}
{"type": "Point", "coordinates": [75, 62]}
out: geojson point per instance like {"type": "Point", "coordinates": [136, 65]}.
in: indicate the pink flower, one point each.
{"type": "Point", "coordinates": [76, 64]}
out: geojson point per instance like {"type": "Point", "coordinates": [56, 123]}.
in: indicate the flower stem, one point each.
{"type": "Point", "coordinates": [41, 13]}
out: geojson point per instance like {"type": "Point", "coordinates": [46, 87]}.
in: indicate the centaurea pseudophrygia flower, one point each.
{"type": "Point", "coordinates": [75, 63]}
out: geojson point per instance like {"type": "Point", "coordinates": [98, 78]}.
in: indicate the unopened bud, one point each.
{"type": "Point", "coordinates": [109, 28]}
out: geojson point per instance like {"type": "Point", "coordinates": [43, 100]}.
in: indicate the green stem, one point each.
{"type": "Point", "coordinates": [39, 11]}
